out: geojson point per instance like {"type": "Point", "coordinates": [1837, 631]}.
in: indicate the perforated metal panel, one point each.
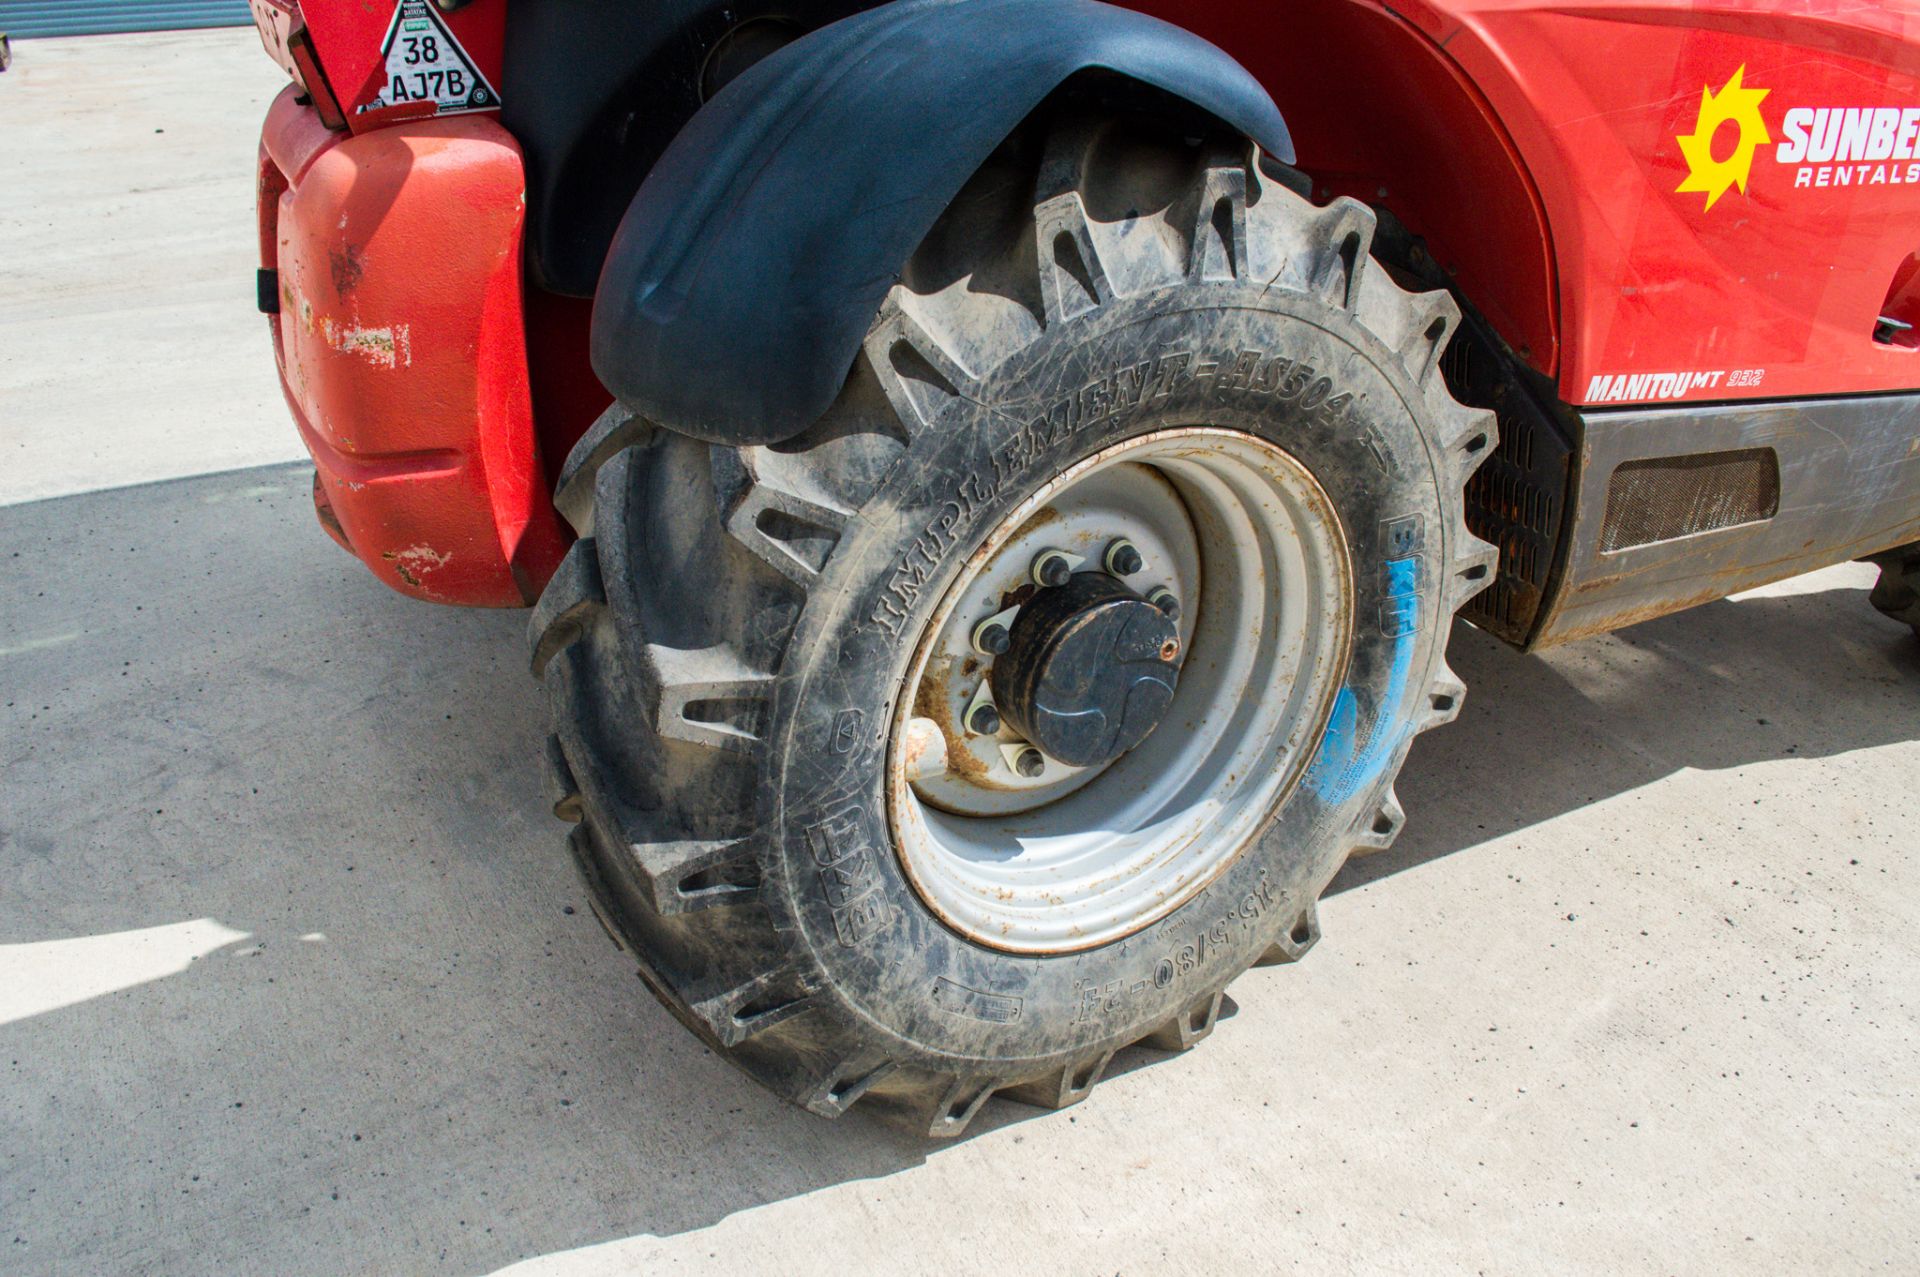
{"type": "Point", "coordinates": [1663, 498]}
{"type": "Point", "coordinates": [25, 19]}
{"type": "Point", "coordinates": [1517, 498]}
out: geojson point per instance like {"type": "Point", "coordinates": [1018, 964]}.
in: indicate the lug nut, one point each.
{"type": "Point", "coordinates": [1052, 568]}
{"type": "Point", "coordinates": [1123, 558]}
{"type": "Point", "coordinates": [983, 719]}
{"type": "Point", "coordinates": [1029, 762]}
{"type": "Point", "coordinates": [991, 638]}
{"type": "Point", "coordinates": [1161, 597]}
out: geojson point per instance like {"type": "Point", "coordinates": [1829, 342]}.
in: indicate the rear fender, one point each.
{"type": "Point", "coordinates": [401, 344]}
{"type": "Point", "coordinates": [751, 262]}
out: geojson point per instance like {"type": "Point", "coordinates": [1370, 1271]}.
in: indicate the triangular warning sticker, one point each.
{"type": "Point", "coordinates": [426, 64]}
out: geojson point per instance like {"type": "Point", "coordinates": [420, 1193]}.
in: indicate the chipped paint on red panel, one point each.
{"type": "Point", "coordinates": [402, 350]}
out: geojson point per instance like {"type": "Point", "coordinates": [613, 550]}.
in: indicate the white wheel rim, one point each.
{"type": "Point", "coordinates": [1251, 546]}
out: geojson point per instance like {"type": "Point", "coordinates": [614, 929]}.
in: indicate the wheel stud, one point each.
{"type": "Point", "coordinates": [1052, 568]}
{"type": "Point", "coordinates": [991, 637]}
{"type": "Point", "coordinates": [1029, 762]}
{"type": "Point", "coordinates": [983, 719]}
{"type": "Point", "coordinates": [1123, 558]}
{"type": "Point", "coordinates": [1163, 598]}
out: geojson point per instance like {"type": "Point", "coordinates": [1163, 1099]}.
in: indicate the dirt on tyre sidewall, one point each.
{"type": "Point", "coordinates": [731, 772]}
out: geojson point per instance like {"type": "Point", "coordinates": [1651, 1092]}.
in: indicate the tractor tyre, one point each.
{"type": "Point", "coordinates": [1897, 592]}
{"type": "Point", "coordinates": [1037, 691]}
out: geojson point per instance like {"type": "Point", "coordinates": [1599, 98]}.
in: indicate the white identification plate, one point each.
{"type": "Point", "coordinates": [426, 64]}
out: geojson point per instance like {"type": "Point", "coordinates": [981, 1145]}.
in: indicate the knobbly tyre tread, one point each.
{"type": "Point", "coordinates": [615, 431]}
{"type": "Point", "coordinates": [660, 641]}
{"type": "Point", "coordinates": [1897, 592]}
{"type": "Point", "coordinates": [1187, 1029]}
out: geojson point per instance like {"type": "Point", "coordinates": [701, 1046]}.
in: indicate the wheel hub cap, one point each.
{"type": "Point", "coordinates": [1090, 672]}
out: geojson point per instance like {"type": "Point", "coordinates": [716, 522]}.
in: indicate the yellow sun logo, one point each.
{"type": "Point", "coordinates": [1736, 104]}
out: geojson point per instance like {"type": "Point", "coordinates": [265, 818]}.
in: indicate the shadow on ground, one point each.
{"type": "Point", "coordinates": [1545, 734]}
{"type": "Point", "coordinates": [325, 993]}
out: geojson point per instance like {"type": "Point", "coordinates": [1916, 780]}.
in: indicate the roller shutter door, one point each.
{"type": "Point", "coordinates": [24, 19]}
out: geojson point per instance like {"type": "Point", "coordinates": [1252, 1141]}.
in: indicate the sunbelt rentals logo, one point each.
{"type": "Point", "coordinates": [1838, 145]}
{"type": "Point", "coordinates": [1737, 104]}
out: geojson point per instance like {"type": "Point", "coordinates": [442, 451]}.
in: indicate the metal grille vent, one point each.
{"type": "Point", "coordinates": [1662, 498]}
{"type": "Point", "coordinates": [1516, 498]}
{"type": "Point", "coordinates": [1519, 498]}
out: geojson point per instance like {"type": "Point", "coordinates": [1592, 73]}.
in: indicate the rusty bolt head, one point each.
{"type": "Point", "coordinates": [1030, 762]}
{"type": "Point", "coordinates": [991, 638]}
{"type": "Point", "coordinates": [983, 719]}
{"type": "Point", "coordinates": [1123, 558]}
{"type": "Point", "coordinates": [1052, 568]}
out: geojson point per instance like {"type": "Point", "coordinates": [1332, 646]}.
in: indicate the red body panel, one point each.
{"type": "Point", "coordinates": [402, 348]}
{"type": "Point", "coordinates": [1781, 281]}
{"type": "Point", "coordinates": [1538, 149]}
{"type": "Point", "coordinates": [1418, 139]}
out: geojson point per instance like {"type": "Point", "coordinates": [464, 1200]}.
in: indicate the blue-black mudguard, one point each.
{"type": "Point", "coordinates": [747, 271]}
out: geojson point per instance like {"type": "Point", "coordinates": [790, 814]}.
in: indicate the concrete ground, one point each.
{"type": "Point", "coordinates": [130, 349]}
{"type": "Point", "coordinates": [296, 978]}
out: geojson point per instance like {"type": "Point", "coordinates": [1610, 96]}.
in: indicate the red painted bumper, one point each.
{"type": "Point", "coordinates": [402, 348]}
